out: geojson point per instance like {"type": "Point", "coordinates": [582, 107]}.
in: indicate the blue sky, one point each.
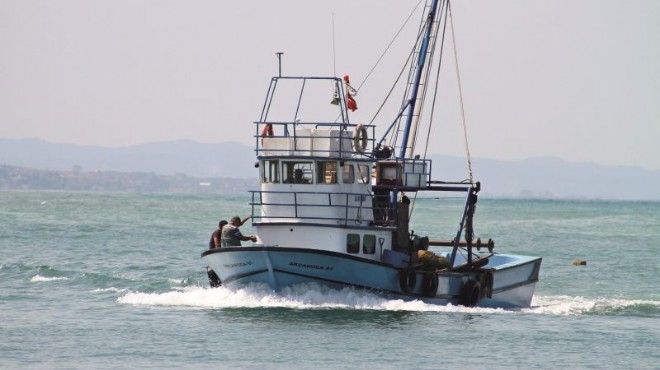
{"type": "Point", "coordinates": [576, 80]}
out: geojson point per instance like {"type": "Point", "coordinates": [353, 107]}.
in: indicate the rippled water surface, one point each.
{"type": "Point", "coordinates": [103, 280]}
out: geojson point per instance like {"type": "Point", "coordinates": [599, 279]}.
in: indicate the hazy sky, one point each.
{"type": "Point", "coordinates": [575, 79]}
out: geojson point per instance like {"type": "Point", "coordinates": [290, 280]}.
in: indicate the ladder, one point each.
{"type": "Point", "coordinates": [423, 82]}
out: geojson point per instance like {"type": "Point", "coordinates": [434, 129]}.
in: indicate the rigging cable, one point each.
{"type": "Point", "coordinates": [389, 45]}
{"type": "Point", "coordinates": [435, 94]}
{"type": "Point", "coordinates": [389, 93]}
{"type": "Point", "coordinates": [396, 82]}
{"type": "Point", "coordinates": [410, 64]}
{"type": "Point", "coordinates": [460, 94]}
{"type": "Point", "coordinates": [428, 67]}
{"type": "Point", "coordinates": [437, 81]}
{"type": "Point", "coordinates": [334, 51]}
{"type": "Point", "coordinates": [382, 55]}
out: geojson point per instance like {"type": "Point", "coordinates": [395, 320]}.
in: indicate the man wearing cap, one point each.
{"type": "Point", "coordinates": [231, 235]}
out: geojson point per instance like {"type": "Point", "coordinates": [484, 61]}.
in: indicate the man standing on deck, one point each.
{"type": "Point", "coordinates": [215, 241]}
{"type": "Point", "coordinates": [217, 235]}
{"type": "Point", "coordinates": [231, 235]}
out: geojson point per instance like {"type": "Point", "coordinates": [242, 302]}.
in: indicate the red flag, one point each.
{"type": "Point", "coordinates": [350, 102]}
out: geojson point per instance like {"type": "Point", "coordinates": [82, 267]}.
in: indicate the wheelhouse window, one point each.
{"type": "Point", "coordinates": [298, 172]}
{"type": "Point", "coordinates": [369, 244]}
{"type": "Point", "coordinates": [348, 174]}
{"type": "Point", "coordinates": [363, 174]}
{"type": "Point", "coordinates": [270, 171]}
{"type": "Point", "coordinates": [353, 243]}
{"type": "Point", "coordinates": [326, 172]}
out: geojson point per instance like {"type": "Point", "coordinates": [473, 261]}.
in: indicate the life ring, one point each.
{"type": "Point", "coordinates": [430, 284]}
{"type": "Point", "coordinates": [407, 279]}
{"type": "Point", "coordinates": [267, 130]}
{"type": "Point", "coordinates": [360, 139]}
{"type": "Point", "coordinates": [470, 293]}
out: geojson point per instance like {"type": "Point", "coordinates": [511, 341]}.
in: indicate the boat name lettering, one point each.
{"type": "Point", "coordinates": [238, 264]}
{"type": "Point", "coordinates": [308, 266]}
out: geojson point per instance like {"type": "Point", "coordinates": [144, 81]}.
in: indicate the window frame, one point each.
{"type": "Point", "coordinates": [289, 169]}
{"type": "Point", "coordinates": [364, 244]}
{"type": "Point", "coordinates": [348, 176]}
{"type": "Point", "coordinates": [353, 248]}
{"type": "Point", "coordinates": [325, 169]}
{"type": "Point", "coordinates": [267, 169]}
{"type": "Point", "coordinates": [363, 178]}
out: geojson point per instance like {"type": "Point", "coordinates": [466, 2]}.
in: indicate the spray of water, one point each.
{"type": "Point", "coordinates": [312, 296]}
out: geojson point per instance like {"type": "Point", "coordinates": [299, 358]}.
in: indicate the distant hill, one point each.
{"type": "Point", "coordinates": [20, 178]}
{"type": "Point", "coordinates": [531, 178]}
{"type": "Point", "coordinates": [545, 177]}
{"type": "Point", "coordinates": [165, 158]}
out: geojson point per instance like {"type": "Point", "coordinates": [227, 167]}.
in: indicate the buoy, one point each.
{"type": "Point", "coordinates": [579, 262]}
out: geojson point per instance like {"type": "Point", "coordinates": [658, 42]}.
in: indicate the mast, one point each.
{"type": "Point", "coordinates": [399, 212]}
{"type": "Point", "coordinates": [421, 60]}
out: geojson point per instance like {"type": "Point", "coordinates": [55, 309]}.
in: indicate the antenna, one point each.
{"type": "Point", "coordinates": [279, 62]}
{"type": "Point", "coordinates": [334, 53]}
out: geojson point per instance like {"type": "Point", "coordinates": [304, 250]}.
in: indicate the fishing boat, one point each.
{"type": "Point", "coordinates": [335, 203]}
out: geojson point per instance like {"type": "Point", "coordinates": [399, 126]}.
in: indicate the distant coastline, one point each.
{"type": "Point", "coordinates": [14, 178]}
{"type": "Point", "coordinates": [20, 178]}
{"type": "Point", "coordinates": [188, 166]}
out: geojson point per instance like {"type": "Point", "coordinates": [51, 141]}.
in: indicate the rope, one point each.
{"type": "Point", "coordinates": [460, 93]}
{"type": "Point", "coordinates": [396, 82]}
{"type": "Point", "coordinates": [419, 104]}
{"type": "Point", "coordinates": [389, 93]}
{"type": "Point", "coordinates": [435, 26]}
{"type": "Point", "coordinates": [389, 45]}
{"type": "Point", "coordinates": [334, 50]}
{"type": "Point", "coordinates": [382, 55]}
{"type": "Point", "coordinates": [398, 78]}
{"type": "Point", "coordinates": [435, 93]}
{"type": "Point", "coordinates": [437, 81]}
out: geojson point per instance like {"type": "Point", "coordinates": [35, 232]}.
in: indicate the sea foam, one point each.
{"type": "Point", "coordinates": [312, 296]}
{"type": "Point", "coordinates": [39, 278]}
{"type": "Point", "coordinates": [305, 296]}
{"type": "Point", "coordinates": [568, 305]}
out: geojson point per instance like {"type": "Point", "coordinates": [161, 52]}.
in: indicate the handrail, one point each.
{"type": "Point", "coordinates": [293, 210]}
{"type": "Point", "coordinates": [412, 173]}
{"type": "Point", "coordinates": [292, 141]}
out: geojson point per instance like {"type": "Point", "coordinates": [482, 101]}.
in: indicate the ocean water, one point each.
{"type": "Point", "coordinates": [109, 280]}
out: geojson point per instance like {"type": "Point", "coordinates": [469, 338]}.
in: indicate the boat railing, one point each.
{"type": "Point", "coordinates": [410, 173]}
{"type": "Point", "coordinates": [318, 207]}
{"type": "Point", "coordinates": [315, 139]}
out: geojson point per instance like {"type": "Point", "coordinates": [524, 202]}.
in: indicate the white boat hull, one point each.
{"type": "Point", "coordinates": [513, 278]}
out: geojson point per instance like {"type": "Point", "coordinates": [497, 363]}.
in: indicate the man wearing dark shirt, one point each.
{"type": "Point", "coordinates": [216, 237]}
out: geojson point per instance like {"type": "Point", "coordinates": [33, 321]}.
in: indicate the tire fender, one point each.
{"type": "Point", "coordinates": [407, 279]}
{"type": "Point", "coordinates": [470, 293]}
